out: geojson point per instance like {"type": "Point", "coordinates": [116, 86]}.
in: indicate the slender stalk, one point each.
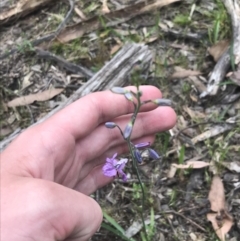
{"type": "Point", "coordinates": [135, 167]}
{"type": "Point", "coordinates": [142, 189]}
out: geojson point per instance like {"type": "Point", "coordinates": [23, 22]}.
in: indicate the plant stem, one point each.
{"type": "Point", "coordinates": [137, 108]}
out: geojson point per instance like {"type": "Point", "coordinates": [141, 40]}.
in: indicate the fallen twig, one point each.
{"type": "Point", "coordinates": [73, 68]}
{"type": "Point", "coordinates": [188, 219]}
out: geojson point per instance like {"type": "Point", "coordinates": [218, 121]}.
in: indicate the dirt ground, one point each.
{"type": "Point", "coordinates": [176, 199]}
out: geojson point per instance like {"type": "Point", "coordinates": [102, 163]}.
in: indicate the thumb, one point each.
{"type": "Point", "coordinates": [79, 216]}
{"type": "Point", "coordinates": [42, 210]}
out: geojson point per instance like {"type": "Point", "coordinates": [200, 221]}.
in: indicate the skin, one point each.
{"type": "Point", "coordinates": [48, 172]}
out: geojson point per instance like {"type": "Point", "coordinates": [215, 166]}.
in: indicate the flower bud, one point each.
{"type": "Point", "coordinates": [129, 96]}
{"type": "Point", "coordinates": [128, 130]}
{"type": "Point", "coordinates": [110, 125]}
{"type": "Point", "coordinates": [153, 154]}
{"type": "Point", "coordinates": [137, 155]}
{"type": "Point", "coordinates": [119, 90]}
{"type": "Point", "coordinates": [162, 102]}
{"type": "Point", "coordinates": [142, 145]}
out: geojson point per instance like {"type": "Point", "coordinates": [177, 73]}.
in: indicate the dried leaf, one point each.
{"type": "Point", "coordinates": [28, 99]}
{"type": "Point", "coordinates": [198, 83]}
{"type": "Point", "coordinates": [172, 171]}
{"type": "Point", "coordinates": [151, 39]}
{"type": "Point", "coordinates": [232, 166]}
{"type": "Point", "coordinates": [216, 130]}
{"type": "Point", "coordinates": [194, 114]}
{"type": "Point", "coordinates": [26, 82]}
{"type": "Point", "coordinates": [115, 48]}
{"type": "Point", "coordinates": [192, 164]}
{"type": "Point", "coordinates": [5, 131]}
{"type": "Point", "coordinates": [80, 13]}
{"type": "Point", "coordinates": [221, 220]}
{"type": "Point", "coordinates": [218, 49]}
{"type": "Point", "coordinates": [105, 8]}
{"type": "Point", "coordinates": [183, 73]}
{"type": "Point", "coordinates": [235, 77]}
{"type": "Point", "coordinates": [221, 228]}
{"type": "Point", "coordinates": [216, 195]}
{"type": "Point", "coordinates": [234, 147]}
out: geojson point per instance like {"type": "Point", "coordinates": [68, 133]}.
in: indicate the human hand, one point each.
{"type": "Point", "coordinates": [48, 171]}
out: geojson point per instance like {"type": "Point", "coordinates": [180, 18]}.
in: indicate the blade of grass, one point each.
{"type": "Point", "coordinates": [116, 232]}
{"type": "Point", "coordinates": [113, 223]}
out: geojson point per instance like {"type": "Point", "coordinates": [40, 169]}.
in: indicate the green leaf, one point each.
{"type": "Point", "coordinates": [113, 223]}
{"type": "Point", "coordinates": [116, 232]}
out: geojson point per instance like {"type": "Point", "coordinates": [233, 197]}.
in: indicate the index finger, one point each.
{"type": "Point", "coordinates": [85, 114]}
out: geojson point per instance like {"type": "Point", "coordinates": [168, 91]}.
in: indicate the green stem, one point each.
{"type": "Point", "coordinates": [142, 189]}
{"type": "Point", "coordinates": [135, 163]}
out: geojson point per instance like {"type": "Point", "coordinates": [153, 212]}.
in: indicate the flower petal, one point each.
{"type": "Point", "coordinates": [123, 175]}
{"type": "Point", "coordinates": [114, 156]}
{"type": "Point", "coordinates": [109, 170]}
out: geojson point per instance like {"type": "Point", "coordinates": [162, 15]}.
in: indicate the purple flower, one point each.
{"type": "Point", "coordinates": [115, 167]}
{"type": "Point", "coordinates": [152, 153]}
